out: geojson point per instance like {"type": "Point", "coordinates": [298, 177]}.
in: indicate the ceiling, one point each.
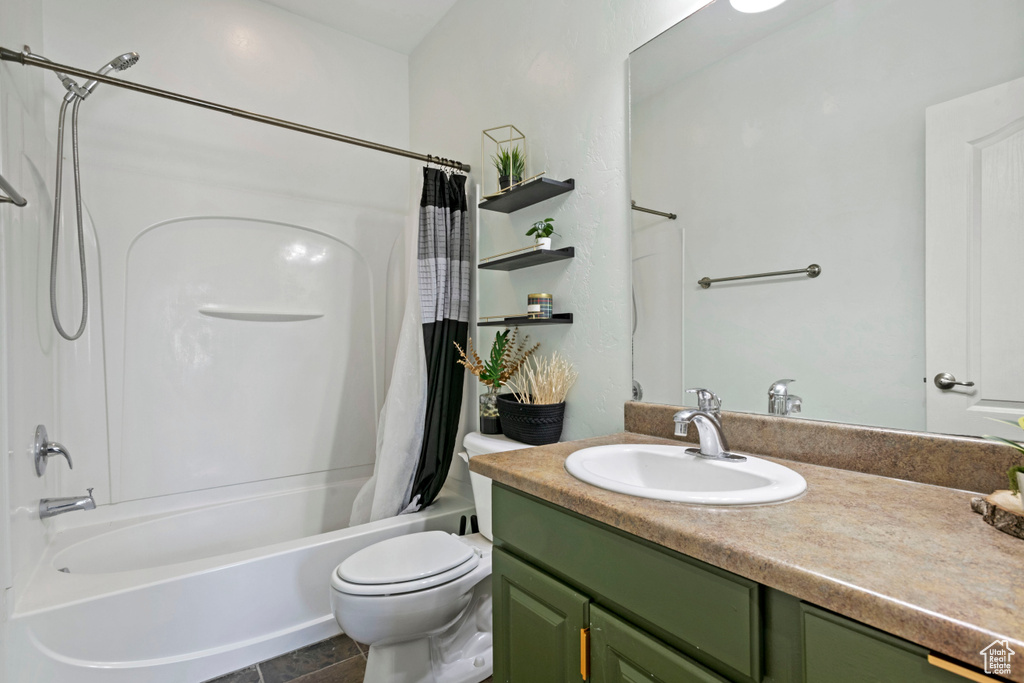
{"type": "Point", "coordinates": [396, 24]}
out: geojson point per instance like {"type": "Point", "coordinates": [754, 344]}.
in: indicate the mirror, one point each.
{"type": "Point", "coordinates": [819, 132]}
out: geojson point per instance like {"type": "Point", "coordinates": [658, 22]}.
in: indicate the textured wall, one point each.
{"type": "Point", "coordinates": [558, 71]}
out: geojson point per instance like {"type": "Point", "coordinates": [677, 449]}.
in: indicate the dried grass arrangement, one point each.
{"type": "Point", "coordinates": [505, 360]}
{"type": "Point", "coordinates": [545, 381]}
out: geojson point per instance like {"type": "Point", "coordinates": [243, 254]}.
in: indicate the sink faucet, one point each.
{"type": "Point", "coordinates": [48, 507]}
{"type": "Point", "coordinates": [780, 401]}
{"type": "Point", "coordinates": [708, 419]}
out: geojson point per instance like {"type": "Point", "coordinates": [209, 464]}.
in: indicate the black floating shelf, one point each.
{"type": "Point", "coordinates": [530, 258]}
{"type": "Point", "coordinates": [528, 194]}
{"type": "Point", "coordinates": [519, 320]}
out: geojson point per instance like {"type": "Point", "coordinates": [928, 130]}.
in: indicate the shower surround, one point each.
{"type": "Point", "coordinates": [245, 286]}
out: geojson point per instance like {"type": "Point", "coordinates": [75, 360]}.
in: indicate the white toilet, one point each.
{"type": "Point", "coordinates": [423, 601]}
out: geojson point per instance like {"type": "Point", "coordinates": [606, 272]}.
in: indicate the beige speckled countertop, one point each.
{"type": "Point", "coordinates": [907, 558]}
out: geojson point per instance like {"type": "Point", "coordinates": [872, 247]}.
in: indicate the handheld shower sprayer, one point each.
{"type": "Point", "coordinates": [119, 63]}
{"type": "Point", "coordinates": [75, 96]}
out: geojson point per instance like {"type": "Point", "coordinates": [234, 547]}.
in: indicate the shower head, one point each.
{"type": "Point", "coordinates": [119, 63]}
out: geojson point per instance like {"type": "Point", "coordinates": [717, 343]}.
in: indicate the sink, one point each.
{"type": "Point", "coordinates": [671, 473]}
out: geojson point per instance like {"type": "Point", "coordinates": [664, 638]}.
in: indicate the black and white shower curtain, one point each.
{"type": "Point", "coordinates": [419, 420]}
{"type": "Point", "coordinates": [443, 263]}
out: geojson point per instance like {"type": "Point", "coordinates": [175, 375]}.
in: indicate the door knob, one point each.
{"type": "Point", "coordinates": [945, 381]}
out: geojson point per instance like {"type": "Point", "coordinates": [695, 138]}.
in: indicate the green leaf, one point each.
{"type": "Point", "coordinates": [1016, 445]}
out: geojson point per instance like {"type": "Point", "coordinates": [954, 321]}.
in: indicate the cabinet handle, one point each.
{"type": "Point", "coordinates": [959, 670]}
{"type": "Point", "coordinates": [585, 653]}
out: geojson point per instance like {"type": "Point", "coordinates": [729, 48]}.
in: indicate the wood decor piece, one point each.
{"type": "Point", "coordinates": [1002, 510]}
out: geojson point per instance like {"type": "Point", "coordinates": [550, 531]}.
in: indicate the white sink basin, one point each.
{"type": "Point", "coordinates": [670, 473]}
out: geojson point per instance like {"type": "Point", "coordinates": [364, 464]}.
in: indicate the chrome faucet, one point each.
{"type": "Point", "coordinates": [780, 401]}
{"type": "Point", "coordinates": [48, 507]}
{"type": "Point", "coordinates": [708, 418]}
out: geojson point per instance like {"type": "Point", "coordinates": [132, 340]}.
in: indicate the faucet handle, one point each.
{"type": "Point", "coordinates": [780, 387]}
{"type": "Point", "coordinates": [707, 401]}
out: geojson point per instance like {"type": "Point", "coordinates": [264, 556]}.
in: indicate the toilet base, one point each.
{"type": "Point", "coordinates": [459, 653]}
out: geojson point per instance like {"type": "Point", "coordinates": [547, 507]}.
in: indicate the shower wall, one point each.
{"type": "Point", "coordinates": [241, 277]}
{"type": "Point", "coordinates": [27, 347]}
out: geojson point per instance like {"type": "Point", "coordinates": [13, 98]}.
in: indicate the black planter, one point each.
{"type": "Point", "coordinates": [536, 425]}
{"type": "Point", "coordinates": [504, 181]}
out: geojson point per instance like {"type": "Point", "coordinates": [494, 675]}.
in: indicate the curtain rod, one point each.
{"type": "Point", "coordinates": [29, 60]}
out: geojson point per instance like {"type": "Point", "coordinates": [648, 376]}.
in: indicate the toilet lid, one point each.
{"type": "Point", "coordinates": [409, 558]}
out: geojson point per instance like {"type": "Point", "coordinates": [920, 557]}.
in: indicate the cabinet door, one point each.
{"type": "Point", "coordinates": [839, 650]}
{"type": "Point", "coordinates": [621, 653]}
{"type": "Point", "coordinates": [537, 623]}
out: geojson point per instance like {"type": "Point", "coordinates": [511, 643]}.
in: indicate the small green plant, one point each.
{"type": "Point", "coordinates": [509, 162]}
{"type": "Point", "coordinates": [1012, 472]}
{"type": "Point", "coordinates": [544, 228]}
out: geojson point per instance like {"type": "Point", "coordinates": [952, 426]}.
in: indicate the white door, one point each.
{"type": "Point", "coordinates": [974, 258]}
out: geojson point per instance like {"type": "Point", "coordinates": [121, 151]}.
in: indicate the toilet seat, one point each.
{"type": "Point", "coordinates": [404, 564]}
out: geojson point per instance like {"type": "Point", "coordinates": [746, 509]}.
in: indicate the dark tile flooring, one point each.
{"type": "Point", "coordinates": [335, 660]}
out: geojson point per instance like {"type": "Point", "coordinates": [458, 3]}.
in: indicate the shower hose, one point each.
{"type": "Point", "coordinates": [57, 216]}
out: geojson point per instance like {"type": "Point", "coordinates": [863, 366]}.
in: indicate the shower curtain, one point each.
{"type": "Point", "coordinates": [420, 419]}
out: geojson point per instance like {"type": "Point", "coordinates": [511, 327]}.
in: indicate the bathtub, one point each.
{"type": "Point", "coordinates": [193, 594]}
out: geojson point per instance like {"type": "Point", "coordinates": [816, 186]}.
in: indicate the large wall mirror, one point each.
{"type": "Point", "coordinates": [882, 140]}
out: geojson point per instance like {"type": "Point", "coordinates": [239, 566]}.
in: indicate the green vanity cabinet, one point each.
{"type": "Point", "coordinates": [656, 615]}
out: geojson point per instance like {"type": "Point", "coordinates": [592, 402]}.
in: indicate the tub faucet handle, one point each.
{"type": "Point", "coordinates": [44, 448]}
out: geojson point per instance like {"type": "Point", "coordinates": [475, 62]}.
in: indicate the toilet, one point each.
{"type": "Point", "coordinates": [423, 601]}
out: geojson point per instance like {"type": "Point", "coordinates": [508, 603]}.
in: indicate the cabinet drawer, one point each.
{"type": "Point", "coordinates": [709, 614]}
{"type": "Point", "coordinates": [840, 650]}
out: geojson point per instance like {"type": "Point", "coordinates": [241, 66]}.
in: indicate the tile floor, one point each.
{"type": "Point", "coordinates": [335, 660]}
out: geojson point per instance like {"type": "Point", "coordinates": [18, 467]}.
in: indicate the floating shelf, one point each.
{"type": "Point", "coordinates": [519, 320]}
{"type": "Point", "coordinates": [529, 258]}
{"type": "Point", "coordinates": [528, 194]}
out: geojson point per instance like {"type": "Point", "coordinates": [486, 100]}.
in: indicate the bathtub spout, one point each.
{"type": "Point", "coordinates": [48, 507]}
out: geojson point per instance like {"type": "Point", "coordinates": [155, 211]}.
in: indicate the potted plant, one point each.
{"type": "Point", "coordinates": [511, 166]}
{"type": "Point", "coordinates": [504, 361]}
{"type": "Point", "coordinates": [542, 232]}
{"type": "Point", "coordinates": [1015, 475]}
{"type": "Point", "coordinates": [535, 410]}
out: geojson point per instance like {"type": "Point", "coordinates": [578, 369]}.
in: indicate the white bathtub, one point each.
{"type": "Point", "coordinates": [191, 595]}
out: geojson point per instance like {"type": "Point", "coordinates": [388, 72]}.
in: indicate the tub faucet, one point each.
{"type": "Point", "coordinates": [780, 401]}
{"type": "Point", "coordinates": [48, 507]}
{"type": "Point", "coordinates": [713, 445]}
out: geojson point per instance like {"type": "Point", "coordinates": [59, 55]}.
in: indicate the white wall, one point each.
{"type": "Point", "coordinates": [808, 147]}
{"type": "Point", "coordinates": [149, 162]}
{"type": "Point", "coordinates": [558, 72]}
{"type": "Point", "coordinates": [27, 366]}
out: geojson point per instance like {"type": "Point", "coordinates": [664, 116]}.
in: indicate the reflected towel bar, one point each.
{"type": "Point", "coordinates": [813, 270]}
{"type": "Point", "coordinates": [12, 195]}
{"type": "Point", "coordinates": [670, 216]}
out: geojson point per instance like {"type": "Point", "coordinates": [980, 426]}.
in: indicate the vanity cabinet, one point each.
{"type": "Point", "coordinates": [576, 600]}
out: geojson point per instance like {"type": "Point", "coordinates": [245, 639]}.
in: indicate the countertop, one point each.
{"type": "Point", "coordinates": [907, 558]}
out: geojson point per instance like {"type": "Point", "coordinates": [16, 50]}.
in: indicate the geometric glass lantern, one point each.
{"type": "Point", "coordinates": [493, 142]}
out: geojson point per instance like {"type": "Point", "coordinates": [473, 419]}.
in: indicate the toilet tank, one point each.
{"type": "Point", "coordinates": [476, 444]}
